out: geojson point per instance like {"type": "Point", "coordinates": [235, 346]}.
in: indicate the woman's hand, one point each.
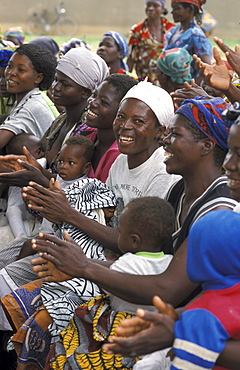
{"type": "Point", "coordinates": [146, 333]}
{"type": "Point", "coordinates": [190, 91]}
{"type": "Point", "coordinates": [66, 255]}
{"type": "Point", "coordinates": [13, 162]}
{"type": "Point", "coordinates": [233, 56]}
{"type": "Point", "coordinates": [217, 75]}
{"type": "Point", "coordinates": [47, 270]}
{"type": "Point", "coordinates": [22, 177]}
{"type": "Point", "coordinates": [51, 203]}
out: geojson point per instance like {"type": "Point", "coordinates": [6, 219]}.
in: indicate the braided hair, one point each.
{"type": "Point", "coordinates": [43, 61]}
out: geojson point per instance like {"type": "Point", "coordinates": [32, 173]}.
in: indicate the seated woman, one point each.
{"type": "Point", "coordinates": [159, 329]}
{"type": "Point", "coordinates": [141, 119]}
{"type": "Point", "coordinates": [173, 69]}
{"type": "Point", "coordinates": [29, 70]}
{"type": "Point", "coordinates": [189, 35]}
{"type": "Point", "coordinates": [201, 189]}
{"type": "Point", "coordinates": [113, 48]}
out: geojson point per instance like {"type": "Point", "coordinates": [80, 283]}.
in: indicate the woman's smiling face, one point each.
{"type": "Point", "coordinates": [136, 129]}
{"type": "Point", "coordinates": [232, 162]}
{"type": "Point", "coordinates": [182, 152]}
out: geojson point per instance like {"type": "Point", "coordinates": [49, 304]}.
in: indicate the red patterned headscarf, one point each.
{"type": "Point", "coordinates": [197, 3]}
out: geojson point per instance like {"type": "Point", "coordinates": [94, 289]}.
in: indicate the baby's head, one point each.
{"type": "Point", "coordinates": [75, 158]}
{"type": "Point", "coordinates": [145, 224]}
{"type": "Point", "coordinates": [31, 142]}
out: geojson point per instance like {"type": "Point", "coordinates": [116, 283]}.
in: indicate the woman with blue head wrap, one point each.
{"type": "Point", "coordinates": [173, 69]}
{"type": "Point", "coordinates": [113, 48]}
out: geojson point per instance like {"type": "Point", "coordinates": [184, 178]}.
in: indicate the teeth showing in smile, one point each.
{"type": "Point", "coordinates": [125, 139]}
{"type": "Point", "coordinates": [167, 154]}
{"type": "Point", "coordinates": [233, 182]}
{"type": "Point", "coordinates": [10, 82]}
{"type": "Point", "coordinates": [90, 113]}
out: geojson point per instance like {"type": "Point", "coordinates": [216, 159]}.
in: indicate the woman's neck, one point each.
{"type": "Point", "coordinates": [186, 24]}
{"type": "Point", "coordinates": [114, 66]}
{"type": "Point", "coordinates": [155, 26]}
{"type": "Point", "coordinates": [105, 138]}
{"type": "Point", "coordinates": [196, 185]}
{"type": "Point", "coordinates": [74, 113]}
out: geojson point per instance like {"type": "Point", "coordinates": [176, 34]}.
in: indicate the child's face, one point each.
{"type": "Point", "coordinates": [124, 237]}
{"type": "Point", "coordinates": [34, 145]}
{"type": "Point", "coordinates": [20, 75]}
{"type": "Point", "coordinates": [71, 163]}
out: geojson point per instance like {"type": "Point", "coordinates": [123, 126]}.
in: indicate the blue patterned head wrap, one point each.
{"type": "Point", "coordinates": [15, 32]}
{"type": "Point", "coordinates": [5, 55]}
{"type": "Point", "coordinates": [213, 252]}
{"type": "Point", "coordinates": [161, 2]}
{"type": "Point", "coordinates": [122, 44]}
{"type": "Point", "coordinates": [206, 116]}
{"type": "Point", "coordinates": [176, 64]}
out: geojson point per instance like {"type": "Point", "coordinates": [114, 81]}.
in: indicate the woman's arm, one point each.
{"type": "Point", "coordinates": [5, 137]}
{"type": "Point", "coordinates": [172, 286]}
{"type": "Point", "coordinates": [54, 206]}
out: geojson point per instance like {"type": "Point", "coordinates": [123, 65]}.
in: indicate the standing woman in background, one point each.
{"type": "Point", "coordinates": [147, 40]}
{"type": "Point", "coordinates": [187, 34]}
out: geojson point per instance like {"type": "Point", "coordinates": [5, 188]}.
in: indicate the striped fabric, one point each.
{"type": "Point", "coordinates": [87, 196]}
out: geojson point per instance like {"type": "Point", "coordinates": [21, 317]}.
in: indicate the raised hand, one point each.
{"type": "Point", "coordinates": [233, 56]}
{"type": "Point", "coordinates": [216, 76]}
{"type": "Point", "coordinates": [190, 91]}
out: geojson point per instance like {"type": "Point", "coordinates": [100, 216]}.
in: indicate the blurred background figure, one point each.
{"type": "Point", "coordinates": [209, 23]}
{"type": "Point", "coordinates": [15, 35]}
{"type": "Point", "coordinates": [113, 48]}
{"type": "Point", "coordinates": [147, 40]}
{"type": "Point", "coordinates": [48, 43]}
{"type": "Point", "coordinates": [73, 43]}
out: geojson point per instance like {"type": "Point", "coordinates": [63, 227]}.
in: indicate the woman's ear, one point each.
{"type": "Point", "coordinates": [120, 54]}
{"type": "Point", "coordinates": [207, 147]}
{"type": "Point", "coordinates": [38, 78]}
{"type": "Point", "coordinates": [86, 93]}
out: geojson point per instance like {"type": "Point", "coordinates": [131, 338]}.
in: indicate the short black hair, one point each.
{"type": "Point", "coordinates": [15, 145]}
{"type": "Point", "coordinates": [42, 60]}
{"type": "Point", "coordinates": [152, 218]}
{"type": "Point", "coordinates": [122, 83]}
{"type": "Point", "coordinates": [82, 141]}
{"type": "Point", "coordinates": [218, 153]}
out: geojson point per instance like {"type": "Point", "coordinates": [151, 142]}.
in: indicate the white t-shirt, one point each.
{"type": "Point", "coordinates": [31, 115]}
{"type": "Point", "coordinates": [148, 179]}
{"type": "Point", "coordinates": [138, 264]}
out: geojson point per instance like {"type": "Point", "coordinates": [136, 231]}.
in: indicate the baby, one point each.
{"type": "Point", "coordinates": [92, 198]}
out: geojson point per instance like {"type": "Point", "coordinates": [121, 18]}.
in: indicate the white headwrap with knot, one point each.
{"type": "Point", "coordinates": [84, 67]}
{"type": "Point", "coordinates": [156, 98]}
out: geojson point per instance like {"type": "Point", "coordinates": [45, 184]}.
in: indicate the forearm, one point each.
{"type": "Point", "coordinates": [172, 286]}
{"type": "Point", "coordinates": [230, 357]}
{"type": "Point", "coordinates": [105, 235]}
{"type": "Point", "coordinates": [233, 93]}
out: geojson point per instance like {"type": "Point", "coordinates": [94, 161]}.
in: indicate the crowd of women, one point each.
{"type": "Point", "coordinates": [126, 172]}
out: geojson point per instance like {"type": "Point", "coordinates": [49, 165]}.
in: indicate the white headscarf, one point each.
{"type": "Point", "coordinates": [84, 67]}
{"type": "Point", "coordinates": [156, 98]}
